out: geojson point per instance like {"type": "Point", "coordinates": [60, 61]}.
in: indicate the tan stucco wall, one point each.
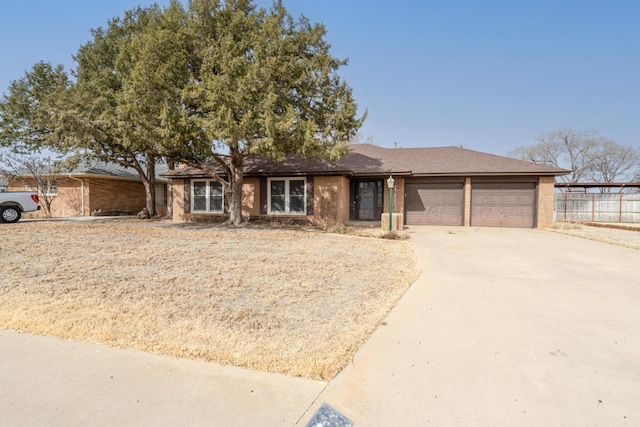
{"type": "Point", "coordinates": [330, 200]}
{"type": "Point", "coordinates": [545, 201]}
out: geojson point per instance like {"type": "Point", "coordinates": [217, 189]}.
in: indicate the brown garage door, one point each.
{"type": "Point", "coordinates": [434, 203]}
{"type": "Point", "coordinates": [503, 204]}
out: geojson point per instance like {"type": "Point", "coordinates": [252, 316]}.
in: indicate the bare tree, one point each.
{"type": "Point", "coordinates": [590, 157]}
{"type": "Point", "coordinates": [565, 148]}
{"type": "Point", "coordinates": [364, 138]}
{"type": "Point", "coordinates": [613, 162]}
{"type": "Point", "coordinates": [40, 174]}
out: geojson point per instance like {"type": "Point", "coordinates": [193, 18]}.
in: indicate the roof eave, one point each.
{"type": "Point", "coordinates": [472, 174]}
{"type": "Point", "coordinates": [161, 178]}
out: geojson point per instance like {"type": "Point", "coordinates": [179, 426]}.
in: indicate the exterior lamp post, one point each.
{"type": "Point", "coordinates": [390, 183]}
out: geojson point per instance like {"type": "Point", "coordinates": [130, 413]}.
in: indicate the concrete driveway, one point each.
{"type": "Point", "coordinates": [504, 327]}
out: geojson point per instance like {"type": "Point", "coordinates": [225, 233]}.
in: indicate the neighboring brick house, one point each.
{"type": "Point", "coordinates": [433, 186]}
{"type": "Point", "coordinates": [96, 188]}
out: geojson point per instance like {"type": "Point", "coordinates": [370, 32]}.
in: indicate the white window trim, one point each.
{"type": "Point", "coordinates": [51, 189]}
{"type": "Point", "coordinates": [208, 196]}
{"type": "Point", "coordinates": [286, 180]}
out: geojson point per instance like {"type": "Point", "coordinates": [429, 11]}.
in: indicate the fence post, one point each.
{"type": "Point", "coordinates": [593, 208]}
{"type": "Point", "coordinates": [620, 217]}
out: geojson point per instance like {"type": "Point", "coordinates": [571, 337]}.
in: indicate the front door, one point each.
{"type": "Point", "coordinates": [366, 200]}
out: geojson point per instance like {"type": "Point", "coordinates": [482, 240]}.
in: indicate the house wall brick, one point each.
{"type": "Point", "coordinates": [177, 195]}
{"type": "Point", "coordinates": [330, 200]}
{"type": "Point", "coordinates": [104, 194]}
{"type": "Point", "coordinates": [250, 201]}
{"type": "Point", "coordinates": [251, 197]}
{"type": "Point", "coordinates": [398, 197]}
{"type": "Point", "coordinates": [467, 202]}
{"type": "Point", "coordinates": [110, 194]}
{"type": "Point", "coordinates": [66, 203]}
{"type": "Point", "coordinates": [545, 201]}
{"type": "Point", "coordinates": [397, 222]}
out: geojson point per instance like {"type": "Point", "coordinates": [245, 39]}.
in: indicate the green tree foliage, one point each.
{"type": "Point", "coordinates": [124, 84]}
{"type": "Point", "coordinates": [262, 84]}
{"type": "Point", "coordinates": [26, 111]}
{"type": "Point", "coordinates": [209, 85]}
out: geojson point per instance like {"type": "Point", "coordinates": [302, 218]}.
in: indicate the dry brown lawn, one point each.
{"type": "Point", "coordinates": [294, 301]}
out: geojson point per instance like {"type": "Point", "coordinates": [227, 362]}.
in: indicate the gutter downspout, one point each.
{"type": "Point", "coordinates": [81, 192]}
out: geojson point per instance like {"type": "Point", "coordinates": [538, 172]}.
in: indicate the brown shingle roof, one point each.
{"type": "Point", "coordinates": [371, 160]}
{"type": "Point", "coordinates": [454, 161]}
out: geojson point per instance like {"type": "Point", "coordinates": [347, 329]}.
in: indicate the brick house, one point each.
{"type": "Point", "coordinates": [433, 186]}
{"type": "Point", "coordinates": [96, 188]}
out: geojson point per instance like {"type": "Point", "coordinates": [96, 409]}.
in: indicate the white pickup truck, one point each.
{"type": "Point", "coordinates": [13, 203]}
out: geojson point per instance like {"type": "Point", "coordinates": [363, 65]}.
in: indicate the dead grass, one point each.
{"type": "Point", "coordinates": [298, 302]}
{"type": "Point", "coordinates": [628, 238]}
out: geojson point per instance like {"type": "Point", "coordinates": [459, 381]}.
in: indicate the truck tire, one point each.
{"type": "Point", "coordinates": [10, 214]}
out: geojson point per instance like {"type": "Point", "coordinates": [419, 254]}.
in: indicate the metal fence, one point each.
{"type": "Point", "coordinates": [597, 207]}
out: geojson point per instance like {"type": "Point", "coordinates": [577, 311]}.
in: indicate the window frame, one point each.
{"type": "Point", "coordinates": [208, 183]}
{"type": "Point", "coordinates": [50, 188]}
{"type": "Point", "coordinates": [287, 195]}
{"type": "Point", "coordinates": [161, 197]}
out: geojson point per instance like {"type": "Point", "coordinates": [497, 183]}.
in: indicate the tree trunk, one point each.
{"type": "Point", "coordinates": [235, 190]}
{"type": "Point", "coordinates": [171, 165]}
{"type": "Point", "coordinates": [150, 186]}
{"type": "Point", "coordinates": [45, 202]}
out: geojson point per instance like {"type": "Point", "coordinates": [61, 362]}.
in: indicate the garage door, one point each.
{"type": "Point", "coordinates": [500, 204]}
{"type": "Point", "coordinates": [434, 203]}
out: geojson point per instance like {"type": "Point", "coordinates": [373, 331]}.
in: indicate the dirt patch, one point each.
{"type": "Point", "coordinates": [299, 302]}
{"type": "Point", "coordinates": [629, 238]}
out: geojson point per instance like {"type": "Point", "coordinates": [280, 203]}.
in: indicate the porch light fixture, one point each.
{"type": "Point", "coordinates": [390, 183]}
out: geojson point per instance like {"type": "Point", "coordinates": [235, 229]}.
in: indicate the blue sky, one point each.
{"type": "Point", "coordinates": [489, 76]}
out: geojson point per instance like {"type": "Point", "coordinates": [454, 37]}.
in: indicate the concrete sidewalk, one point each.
{"type": "Point", "coordinates": [51, 382]}
{"type": "Point", "coordinates": [504, 327]}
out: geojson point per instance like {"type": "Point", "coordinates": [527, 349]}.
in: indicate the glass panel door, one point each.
{"type": "Point", "coordinates": [366, 198]}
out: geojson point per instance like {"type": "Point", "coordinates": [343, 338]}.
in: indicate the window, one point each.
{"type": "Point", "coordinates": [207, 196]}
{"type": "Point", "coordinates": [160, 196]}
{"type": "Point", "coordinates": [49, 187]}
{"type": "Point", "coordinates": [287, 196]}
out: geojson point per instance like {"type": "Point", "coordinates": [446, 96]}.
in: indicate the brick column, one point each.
{"type": "Point", "coordinates": [467, 201]}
